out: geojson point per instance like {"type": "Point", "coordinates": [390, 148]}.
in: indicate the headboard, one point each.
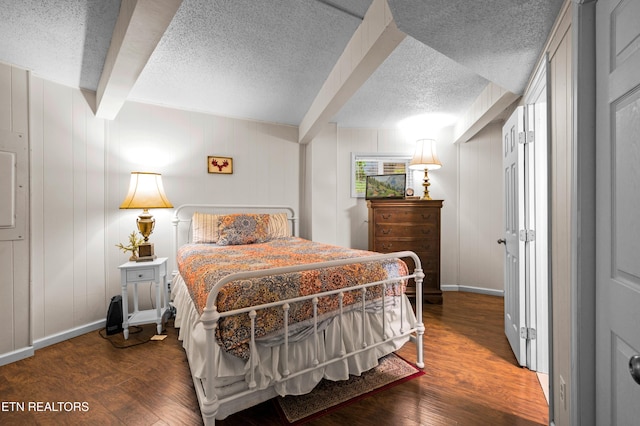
{"type": "Point", "coordinates": [182, 220]}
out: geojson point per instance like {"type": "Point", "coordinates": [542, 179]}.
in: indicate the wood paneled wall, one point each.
{"type": "Point", "coordinates": [481, 212]}
{"type": "Point", "coordinates": [176, 143]}
{"type": "Point", "coordinates": [353, 228]}
{"type": "Point", "coordinates": [561, 188]}
{"type": "Point", "coordinates": [80, 168]}
{"type": "Point", "coordinates": [15, 335]}
{"type": "Point", "coordinates": [67, 201]}
{"type": "Point", "coordinates": [350, 226]}
{"type": "Point", "coordinates": [321, 189]}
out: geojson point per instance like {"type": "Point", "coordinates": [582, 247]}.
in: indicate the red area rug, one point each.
{"type": "Point", "coordinates": [329, 396]}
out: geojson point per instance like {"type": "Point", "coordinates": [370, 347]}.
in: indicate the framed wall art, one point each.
{"type": "Point", "coordinates": [223, 165]}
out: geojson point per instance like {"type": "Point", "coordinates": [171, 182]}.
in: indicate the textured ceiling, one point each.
{"type": "Point", "coordinates": [247, 58]}
{"type": "Point", "coordinates": [63, 40]}
{"type": "Point", "coordinates": [414, 79]}
{"type": "Point", "coordinates": [497, 39]}
{"type": "Point", "coordinates": [266, 60]}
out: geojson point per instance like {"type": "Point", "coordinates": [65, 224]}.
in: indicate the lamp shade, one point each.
{"type": "Point", "coordinates": [425, 156]}
{"type": "Point", "coordinates": [146, 192]}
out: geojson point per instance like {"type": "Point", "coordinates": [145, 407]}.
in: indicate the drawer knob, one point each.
{"type": "Point", "coordinates": [139, 275]}
{"type": "Point", "coordinates": [426, 216]}
{"type": "Point", "coordinates": [386, 231]}
{"type": "Point", "coordinates": [426, 231]}
{"type": "Point", "coordinates": [386, 215]}
{"type": "Point", "coordinates": [387, 246]}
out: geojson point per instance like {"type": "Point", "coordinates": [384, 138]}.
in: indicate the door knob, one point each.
{"type": "Point", "coordinates": [502, 241]}
{"type": "Point", "coordinates": [634, 368]}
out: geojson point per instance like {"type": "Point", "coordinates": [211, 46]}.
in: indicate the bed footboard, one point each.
{"type": "Point", "coordinates": [211, 405]}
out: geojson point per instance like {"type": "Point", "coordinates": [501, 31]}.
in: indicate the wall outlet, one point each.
{"type": "Point", "coordinates": [563, 393]}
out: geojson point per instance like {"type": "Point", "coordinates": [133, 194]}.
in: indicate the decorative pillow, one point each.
{"type": "Point", "coordinates": [204, 228]}
{"type": "Point", "coordinates": [234, 229]}
{"type": "Point", "coordinates": [279, 226]}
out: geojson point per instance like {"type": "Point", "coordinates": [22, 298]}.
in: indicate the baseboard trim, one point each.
{"type": "Point", "coordinates": [69, 334]}
{"type": "Point", "coordinates": [470, 289]}
{"type": "Point", "coordinates": [14, 356]}
{"type": "Point", "coordinates": [29, 351]}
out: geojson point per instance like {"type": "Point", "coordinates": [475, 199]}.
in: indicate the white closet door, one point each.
{"type": "Point", "coordinates": [617, 217]}
{"type": "Point", "coordinates": [515, 274]}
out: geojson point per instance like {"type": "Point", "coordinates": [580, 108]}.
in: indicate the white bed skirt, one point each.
{"type": "Point", "coordinates": [233, 373]}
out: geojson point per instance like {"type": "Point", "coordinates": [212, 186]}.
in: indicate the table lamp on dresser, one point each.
{"type": "Point", "coordinates": [425, 158]}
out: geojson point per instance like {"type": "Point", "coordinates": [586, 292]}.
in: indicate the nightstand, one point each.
{"type": "Point", "coordinates": [140, 272]}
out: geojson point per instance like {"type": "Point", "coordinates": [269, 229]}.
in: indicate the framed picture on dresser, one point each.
{"type": "Point", "coordinates": [390, 186]}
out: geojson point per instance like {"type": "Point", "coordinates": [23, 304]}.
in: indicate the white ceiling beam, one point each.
{"type": "Point", "coordinates": [490, 105]}
{"type": "Point", "coordinates": [138, 30]}
{"type": "Point", "coordinates": [374, 40]}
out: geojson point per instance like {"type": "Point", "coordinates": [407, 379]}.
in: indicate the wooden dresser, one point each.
{"type": "Point", "coordinates": [409, 224]}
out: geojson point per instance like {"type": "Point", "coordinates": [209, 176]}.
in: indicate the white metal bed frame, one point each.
{"type": "Point", "coordinates": [212, 406]}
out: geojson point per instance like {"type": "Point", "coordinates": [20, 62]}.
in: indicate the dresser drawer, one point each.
{"type": "Point", "coordinates": [430, 284]}
{"type": "Point", "coordinates": [419, 230]}
{"type": "Point", "coordinates": [388, 215]}
{"type": "Point", "coordinates": [137, 275]}
{"type": "Point", "coordinates": [419, 246]}
{"type": "Point", "coordinates": [430, 262]}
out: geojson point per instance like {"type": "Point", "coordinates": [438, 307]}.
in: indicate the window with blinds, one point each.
{"type": "Point", "coordinates": [363, 165]}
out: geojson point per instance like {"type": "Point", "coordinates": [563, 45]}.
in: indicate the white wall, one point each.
{"type": "Point", "coordinates": [562, 220]}
{"type": "Point", "coordinates": [351, 213]}
{"type": "Point", "coordinates": [322, 187]}
{"type": "Point", "coordinates": [444, 186]}
{"type": "Point", "coordinates": [481, 211]}
{"type": "Point", "coordinates": [80, 168]}
{"type": "Point", "coordinates": [15, 335]}
{"type": "Point", "coordinates": [175, 143]}
{"type": "Point", "coordinates": [67, 211]}
{"type": "Point", "coordinates": [342, 220]}
{"type": "Point", "coordinates": [469, 182]}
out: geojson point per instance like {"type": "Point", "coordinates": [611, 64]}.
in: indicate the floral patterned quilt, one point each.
{"type": "Point", "coordinates": [203, 265]}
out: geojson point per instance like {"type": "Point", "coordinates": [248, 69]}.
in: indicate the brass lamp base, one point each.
{"type": "Point", "coordinates": [146, 222]}
{"type": "Point", "coordinates": [145, 253]}
{"type": "Point", "coordinates": [426, 184]}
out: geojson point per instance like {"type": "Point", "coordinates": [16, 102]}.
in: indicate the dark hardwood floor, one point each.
{"type": "Point", "coordinates": [471, 379]}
